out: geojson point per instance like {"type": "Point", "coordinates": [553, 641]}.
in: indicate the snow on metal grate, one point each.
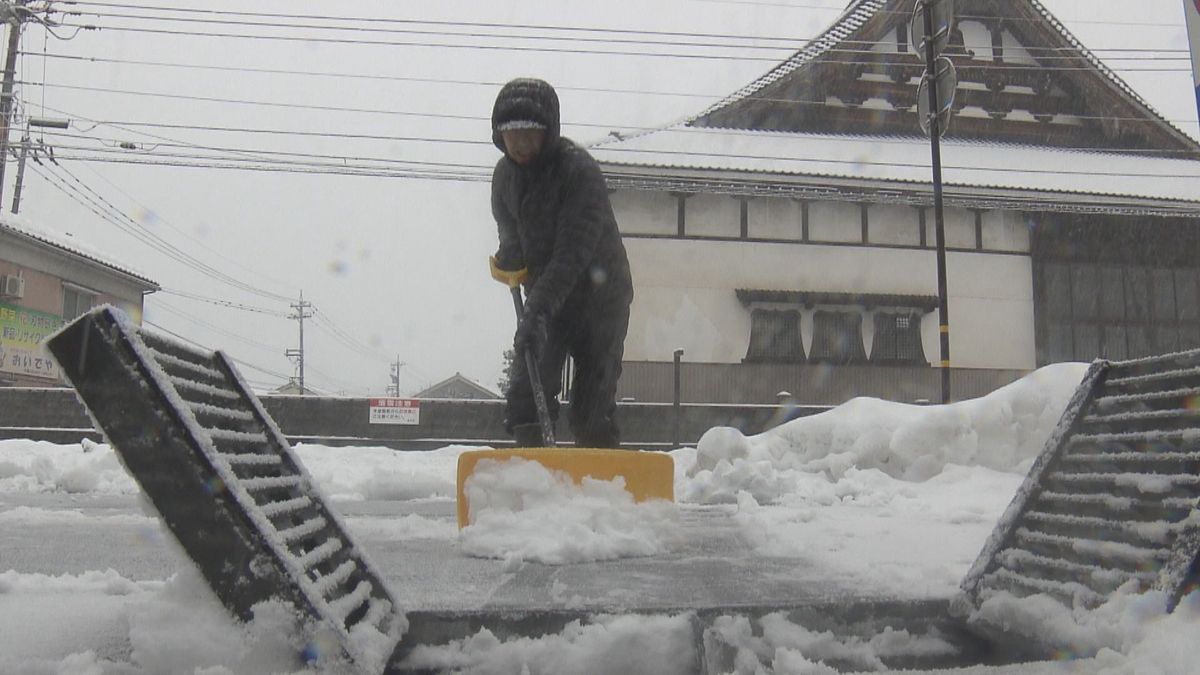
{"type": "Point", "coordinates": [1113, 497]}
{"type": "Point", "coordinates": [227, 484]}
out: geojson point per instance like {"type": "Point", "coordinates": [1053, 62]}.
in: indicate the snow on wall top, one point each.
{"type": "Point", "coordinates": [906, 159]}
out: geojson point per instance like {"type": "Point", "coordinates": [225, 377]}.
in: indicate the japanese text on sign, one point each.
{"type": "Point", "coordinates": [394, 411]}
{"type": "Point", "coordinates": [21, 333]}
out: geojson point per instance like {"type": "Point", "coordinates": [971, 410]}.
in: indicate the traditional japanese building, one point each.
{"type": "Point", "coordinates": [784, 237]}
{"type": "Point", "coordinates": [46, 280]}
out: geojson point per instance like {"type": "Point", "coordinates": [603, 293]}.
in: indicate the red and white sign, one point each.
{"type": "Point", "coordinates": [395, 411]}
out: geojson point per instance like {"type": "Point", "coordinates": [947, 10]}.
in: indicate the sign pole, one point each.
{"type": "Point", "coordinates": [935, 133]}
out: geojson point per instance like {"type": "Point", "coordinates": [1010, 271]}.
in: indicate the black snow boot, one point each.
{"type": "Point", "coordinates": [528, 435]}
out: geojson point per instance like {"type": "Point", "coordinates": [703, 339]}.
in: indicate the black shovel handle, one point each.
{"type": "Point", "coordinates": [535, 380]}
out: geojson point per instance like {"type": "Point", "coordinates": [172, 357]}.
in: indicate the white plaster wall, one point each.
{"type": "Point", "coordinates": [775, 218]}
{"type": "Point", "coordinates": [898, 225]}
{"type": "Point", "coordinates": [977, 38]}
{"type": "Point", "coordinates": [959, 225]}
{"type": "Point", "coordinates": [834, 222]}
{"type": "Point", "coordinates": [684, 296]}
{"type": "Point", "coordinates": [991, 312]}
{"type": "Point", "coordinates": [1015, 52]}
{"type": "Point", "coordinates": [712, 216]}
{"type": "Point", "coordinates": [645, 212]}
{"type": "Point", "coordinates": [1005, 231]}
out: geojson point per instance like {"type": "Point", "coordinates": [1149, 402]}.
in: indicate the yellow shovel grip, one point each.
{"type": "Point", "coordinates": [510, 278]}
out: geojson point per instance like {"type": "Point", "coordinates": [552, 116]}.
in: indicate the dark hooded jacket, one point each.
{"type": "Point", "coordinates": [554, 215]}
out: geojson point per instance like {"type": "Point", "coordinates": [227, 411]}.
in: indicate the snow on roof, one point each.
{"type": "Point", "coordinates": [65, 242]}
{"type": "Point", "coordinates": [971, 164]}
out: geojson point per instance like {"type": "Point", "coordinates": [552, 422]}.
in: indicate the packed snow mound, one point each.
{"type": "Point", "coordinates": [77, 468]}
{"type": "Point", "coordinates": [1003, 430]}
{"type": "Point", "coordinates": [520, 510]}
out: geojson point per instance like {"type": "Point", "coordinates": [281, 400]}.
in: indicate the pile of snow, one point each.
{"type": "Point", "coordinates": [619, 645]}
{"type": "Point", "coordinates": [520, 510]}
{"type": "Point", "coordinates": [837, 490]}
{"type": "Point", "coordinates": [73, 469]}
{"type": "Point", "coordinates": [1004, 430]}
{"type": "Point", "coordinates": [381, 474]}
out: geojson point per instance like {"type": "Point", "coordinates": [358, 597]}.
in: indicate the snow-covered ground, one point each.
{"type": "Point", "coordinates": [839, 489]}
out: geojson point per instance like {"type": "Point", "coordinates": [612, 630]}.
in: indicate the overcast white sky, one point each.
{"type": "Point", "coordinates": [396, 266]}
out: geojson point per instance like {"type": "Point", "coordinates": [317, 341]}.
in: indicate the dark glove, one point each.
{"type": "Point", "coordinates": [531, 334]}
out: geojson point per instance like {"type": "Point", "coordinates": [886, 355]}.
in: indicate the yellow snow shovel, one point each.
{"type": "Point", "coordinates": [648, 475]}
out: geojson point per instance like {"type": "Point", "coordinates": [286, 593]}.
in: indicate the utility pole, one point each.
{"type": "Point", "coordinates": [394, 387]}
{"type": "Point", "coordinates": [932, 21]}
{"type": "Point", "coordinates": [11, 13]}
{"type": "Point", "coordinates": [16, 204]}
{"type": "Point", "coordinates": [27, 147]}
{"type": "Point", "coordinates": [300, 315]}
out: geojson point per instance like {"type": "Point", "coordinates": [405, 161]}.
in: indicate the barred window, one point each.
{"type": "Point", "coordinates": [897, 338]}
{"type": "Point", "coordinates": [775, 337]}
{"type": "Point", "coordinates": [837, 338]}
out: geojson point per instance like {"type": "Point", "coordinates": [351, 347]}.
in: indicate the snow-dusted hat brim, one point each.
{"type": "Point", "coordinates": [520, 124]}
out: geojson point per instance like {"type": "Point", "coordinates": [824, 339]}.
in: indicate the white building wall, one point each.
{"type": "Point", "coordinates": [775, 218]}
{"type": "Point", "coordinates": [713, 216]}
{"type": "Point", "coordinates": [685, 288]}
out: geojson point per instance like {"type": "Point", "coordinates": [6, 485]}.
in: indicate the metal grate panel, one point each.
{"type": "Point", "coordinates": [226, 483]}
{"type": "Point", "coordinates": [1113, 497]}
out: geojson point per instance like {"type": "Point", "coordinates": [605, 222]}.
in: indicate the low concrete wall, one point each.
{"type": "Point", "coordinates": [57, 415]}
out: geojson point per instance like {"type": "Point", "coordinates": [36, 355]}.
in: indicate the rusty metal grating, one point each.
{"type": "Point", "coordinates": [226, 483]}
{"type": "Point", "coordinates": [1113, 497]}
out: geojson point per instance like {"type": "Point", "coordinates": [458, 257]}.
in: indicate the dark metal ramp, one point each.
{"type": "Point", "coordinates": [1113, 497]}
{"type": "Point", "coordinates": [227, 485]}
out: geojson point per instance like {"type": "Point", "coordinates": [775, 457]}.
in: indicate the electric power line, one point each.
{"type": "Point", "coordinates": [136, 229]}
{"type": "Point", "coordinates": [240, 362]}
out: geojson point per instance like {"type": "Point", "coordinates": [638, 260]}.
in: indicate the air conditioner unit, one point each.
{"type": "Point", "coordinates": [12, 286]}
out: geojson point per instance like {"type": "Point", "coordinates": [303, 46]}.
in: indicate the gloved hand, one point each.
{"type": "Point", "coordinates": [511, 276]}
{"type": "Point", "coordinates": [531, 334]}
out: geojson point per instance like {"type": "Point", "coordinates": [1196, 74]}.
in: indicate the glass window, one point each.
{"type": "Point", "coordinates": [76, 303]}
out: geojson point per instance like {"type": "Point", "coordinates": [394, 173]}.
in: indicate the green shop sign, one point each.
{"type": "Point", "coordinates": [21, 334]}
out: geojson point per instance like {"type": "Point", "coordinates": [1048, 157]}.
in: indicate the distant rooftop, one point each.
{"type": "Point", "coordinates": [24, 227]}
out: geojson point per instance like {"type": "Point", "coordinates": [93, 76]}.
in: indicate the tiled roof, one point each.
{"type": "Point", "coordinates": [25, 228]}
{"type": "Point", "coordinates": [859, 12]}
{"type": "Point", "coordinates": [850, 21]}
{"type": "Point", "coordinates": [811, 298]}
{"type": "Point", "coordinates": [1127, 177]}
{"type": "Point", "coordinates": [969, 164]}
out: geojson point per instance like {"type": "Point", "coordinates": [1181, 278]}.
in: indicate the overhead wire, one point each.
{"type": "Point", "coordinates": [743, 43]}
{"type": "Point", "coordinates": [157, 218]}
{"type": "Point", "coordinates": [158, 303]}
{"type": "Point", "coordinates": [314, 160]}
{"type": "Point", "coordinates": [158, 243]}
{"type": "Point", "coordinates": [430, 115]}
{"type": "Point", "coordinates": [524, 48]}
{"type": "Point", "coordinates": [225, 303]}
{"type": "Point", "coordinates": [526, 26]}
{"type": "Point", "coordinates": [238, 361]}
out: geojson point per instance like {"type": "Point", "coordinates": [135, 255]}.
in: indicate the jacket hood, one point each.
{"type": "Point", "coordinates": [526, 99]}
